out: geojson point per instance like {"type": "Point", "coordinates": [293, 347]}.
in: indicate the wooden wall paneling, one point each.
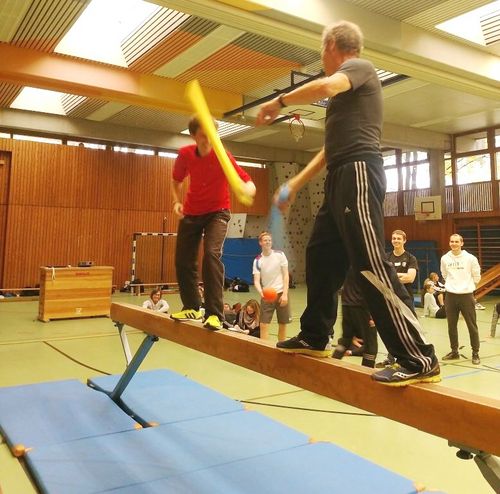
{"type": "Point", "coordinates": [66, 176]}
{"type": "Point", "coordinates": [3, 236]}
{"type": "Point", "coordinates": [261, 205]}
{"type": "Point", "coordinates": [5, 160]}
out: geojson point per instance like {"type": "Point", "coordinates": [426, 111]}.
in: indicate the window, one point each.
{"type": "Point", "coordinates": [125, 149]}
{"type": "Point", "coordinates": [471, 142]}
{"type": "Point", "coordinates": [88, 145]}
{"type": "Point", "coordinates": [472, 169]}
{"type": "Point", "coordinates": [392, 180]}
{"type": "Point", "coordinates": [167, 154]}
{"type": "Point", "coordinates": [411, 156]}
{"type": "Point", "coordinates": [416, 176]}
{"type": "Point", "coordinates": [47, 140]}
{"type": "Point", "coordinates": [391, 170]}
{"type": "Point", "coordinates": [448, 165]}
{"type": "Point", "coordinates": [3, 135]}
{"type": "Point", "coordinates": [250, 164]}
{"type": "Point", "coordinates": [497, 138]}
{"type": "Point", "coordinates": [389, 157]}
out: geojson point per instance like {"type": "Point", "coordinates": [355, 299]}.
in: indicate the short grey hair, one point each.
{"type": "Point", "coordinates": [347, 36]}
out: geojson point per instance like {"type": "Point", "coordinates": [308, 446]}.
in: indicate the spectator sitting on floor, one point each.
{"type": "Point", "coordinates": [431, 307]}
{"type": "Point", "coordinates": [229, 314]}
{"type": "Point", "coordinates": [439, 289]}
{"type": "Point", "coordinates": [248, 319]}
{"type": "Point", "coordinates": [155, 302]}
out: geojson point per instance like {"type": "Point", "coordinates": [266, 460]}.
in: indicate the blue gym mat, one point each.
{"type": "Point", "coordinates": [163, 396]}
{"type": "Point", "coordinates": [309, 469]}
{"type": "Point", "coordinates": [141, 456]}
{"type": "Point", "coordinates": [57, 412]}
{"type": "Point", "coordinates": [83, 443]}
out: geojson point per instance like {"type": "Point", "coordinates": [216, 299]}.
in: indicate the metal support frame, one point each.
{"type": "Point", "coordinates": [488, 464]}
{"type": "Point", "coordinates": [133, 363]}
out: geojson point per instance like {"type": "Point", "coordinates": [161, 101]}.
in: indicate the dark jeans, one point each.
{"type": "Point", "coordinates": [349, 230]}
{"type": "Point", "coordinates": [456, 303]}
{"type": "Point", "coordinates": [212, 227]}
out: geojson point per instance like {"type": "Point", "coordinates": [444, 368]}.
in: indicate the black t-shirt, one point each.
{"type": "Point", "coordinates": [354, 118]}
{"type": "Point", "coordinates": [402, 264]}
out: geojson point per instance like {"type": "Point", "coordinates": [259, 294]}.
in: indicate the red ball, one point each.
{"type": "Point", "coordinates": [269, 294]}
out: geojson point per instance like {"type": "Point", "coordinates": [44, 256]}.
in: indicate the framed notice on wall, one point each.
{"type": "Point", "coordinates": [428, 208]}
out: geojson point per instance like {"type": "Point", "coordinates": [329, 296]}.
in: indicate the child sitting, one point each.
{"type": "Point", "coordinates": [248, 319]}
{"type": "Point", "coordinates": [431, 308]}
{"type": "Point", "coordinates": [155, 302]}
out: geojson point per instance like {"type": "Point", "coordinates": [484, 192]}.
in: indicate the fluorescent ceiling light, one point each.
{"type": "Point", "coordinates": [99, 31]}
{"type": "Point", "coordinates": [41, 100]}
{"type": "Point", "coordinates": [468, 26]}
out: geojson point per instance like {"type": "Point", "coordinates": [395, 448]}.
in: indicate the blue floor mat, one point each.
{"type": "Point", "coordinates": [309, 469]}
{"type": "Point", "coordinates": [83, 443]}
{"type": "Point", "coordinates": [141, 456]}
{"type": "Point", "coordinates": [57, 412]}
{"type": "Point", "coordinates": [164, 396]}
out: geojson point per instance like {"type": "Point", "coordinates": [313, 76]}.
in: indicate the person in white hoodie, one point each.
{"type": "Point", "coordinates": [461, 273]}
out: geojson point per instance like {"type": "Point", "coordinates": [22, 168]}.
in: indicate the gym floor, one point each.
{"type": "Point", "coordinates": [32, 351]}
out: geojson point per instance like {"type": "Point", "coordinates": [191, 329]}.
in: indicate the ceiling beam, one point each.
{"type": "Point", "coordinates": [26, 67]}
{"type": "Point", "coordinates": [390, 44]}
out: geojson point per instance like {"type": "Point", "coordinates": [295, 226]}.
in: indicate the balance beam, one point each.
{"type": "Point", "coordinates": [459, 417]}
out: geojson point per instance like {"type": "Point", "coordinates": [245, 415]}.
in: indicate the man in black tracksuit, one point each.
{"type": "Point", "coordinates": [349, 227]}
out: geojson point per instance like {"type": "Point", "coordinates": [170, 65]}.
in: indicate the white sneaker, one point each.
{"type": "Point", "coordinates": [479, 306]}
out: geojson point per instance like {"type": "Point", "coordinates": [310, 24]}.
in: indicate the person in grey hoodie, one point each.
{"type": "Point", "coordinates": [461, 273]}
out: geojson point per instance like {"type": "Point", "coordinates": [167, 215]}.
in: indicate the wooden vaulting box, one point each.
{"type": "Point", "coordinates": [74, 292]}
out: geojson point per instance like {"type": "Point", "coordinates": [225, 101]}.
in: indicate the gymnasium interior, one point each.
{"type": "Point", "coordinates": [92, 114]}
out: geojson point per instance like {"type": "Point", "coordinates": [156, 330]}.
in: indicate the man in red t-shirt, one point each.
{"type": "Point", "coordinates": [205, 211]}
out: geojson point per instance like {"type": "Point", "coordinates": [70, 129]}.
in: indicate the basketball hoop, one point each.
{"type": "Point", "coordinates": [422, 216]}
{"type": "Point", "coordinates": [297, 127]}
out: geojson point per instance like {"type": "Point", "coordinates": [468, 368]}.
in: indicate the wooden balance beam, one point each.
{"type": "Point", "coordinates": [459, 417]}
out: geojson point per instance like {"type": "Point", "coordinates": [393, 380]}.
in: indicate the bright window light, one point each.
{"type": "Point", "coordinates": [250, 164]}
{"type": "Point", "coordinates": [99, 31]}
{"type": "Point", "coordinates": [124, 149]}
{"type": "Point", "coordinates": [167, 154]}
{"type": "Point", "coordinates": [47, 140]}
{"type": "Point", "coordinates": [88, 145]}
{"type": "Point", "coordinates": [3, 135]}
{"type": "Point", "coordinates": [468, 26]}
{"type": "Point", "coordinates": [41, 100]}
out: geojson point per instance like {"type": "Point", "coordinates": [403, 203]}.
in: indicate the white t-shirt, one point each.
{"type": "Point", "coordinates": [270, 269]}
{"type": "Point", "coordinates": [161, 306]}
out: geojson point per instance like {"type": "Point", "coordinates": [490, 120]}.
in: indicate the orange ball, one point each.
{"type": "Point", "coordinates": [269, 294]}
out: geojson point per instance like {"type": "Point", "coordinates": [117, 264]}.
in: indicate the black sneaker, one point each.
{"type": "Point", "coordinates": [475, 358]}
{"type": "Point", "coordinates": [339, 351]}
{"type": "Point", "coordinates": [296, 345]}
{"type": "Point", "coordinates": [451, 356]}
{"type": "Point", "coordinates": [398, 376]}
